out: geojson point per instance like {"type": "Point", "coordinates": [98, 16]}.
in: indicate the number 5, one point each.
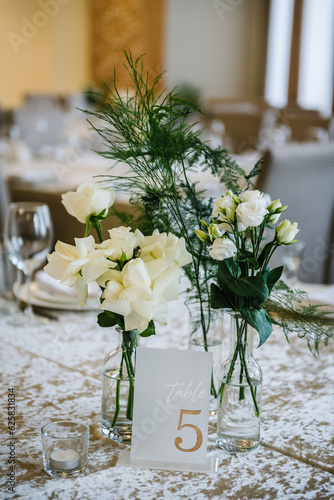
{"type": "Point", "coordinates": [199, 436]}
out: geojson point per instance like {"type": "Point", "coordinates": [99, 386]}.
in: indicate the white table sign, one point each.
{"type": "Point", "coordinates": [171, 407]}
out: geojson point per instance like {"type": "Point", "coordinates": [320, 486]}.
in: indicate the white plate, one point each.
{"type": "Point", "coordinates": [42, 298]}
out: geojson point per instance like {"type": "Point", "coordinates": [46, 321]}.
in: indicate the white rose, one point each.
{"type": "Point", "coordinates": [251, 213]}
{"type": "Point", "coordinates": [286, 232]}
{"type": "Point", "coordinates": [176, 249]}
{"type": "Point", "coordinates": [135, 273]}
{"type": "Point", "coordinates": [78, 265]}
{"type": "Point", "coordinates": [160, 245]}
{"type": "Point", "coordinates": [223, 248]}
{"type": "Point", "coordinates": [138, 298]}
{"type": "Point", "coordinates": [89, 199]}
{"type": "Point", "coordinates": [122, 239]}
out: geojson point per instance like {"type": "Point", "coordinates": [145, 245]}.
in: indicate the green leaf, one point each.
{"type": "Point", "coordinates": [105, 320]}
{"type": "Point", "coordinates": [265, 252]}
{"type": "Point", "coordinates": [108, 319]}
{"type": "Point", "coordinates": [251, 261]}
{"type": "Point", "coordinates": [218, 299]}
{"type": "Point", "coordinates": [150, 330]}
{"type": "Point", "coordinates": [251, 286]}
{"type": "Point", "coordinates": [273, 276]}
{"type": "Point", "coordinates": [260, 320]}
{"type": "Point", "coordinates": [227, 271]}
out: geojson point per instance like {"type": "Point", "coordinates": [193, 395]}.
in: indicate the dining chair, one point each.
{"type": "Point", "coordinates": [302, 176]}
{"type": "Point", "coordinates": [243, 121]}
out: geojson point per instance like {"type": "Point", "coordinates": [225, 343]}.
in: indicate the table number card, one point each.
{"type": "Point", "coordinates": [171, 408]}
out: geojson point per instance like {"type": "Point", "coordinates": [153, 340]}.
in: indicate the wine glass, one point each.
{"type": "Point", "coordinates": [28, 239]}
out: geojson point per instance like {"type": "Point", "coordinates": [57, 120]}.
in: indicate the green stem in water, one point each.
{"type": "Point", "coordinates": [240, 351]}
{"type": "Point", "coordinates": [118, 392]}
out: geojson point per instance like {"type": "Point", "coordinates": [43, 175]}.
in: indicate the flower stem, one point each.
{"type": "Point", "coordinates": [239, 350]}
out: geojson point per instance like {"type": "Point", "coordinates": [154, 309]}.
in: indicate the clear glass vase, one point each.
{"type": "Point", "coordinates": [209, 338]}
{"type": "Point", "coordinates": [118, 378]}
{"type": "Point", "coordinates": [239, 412]}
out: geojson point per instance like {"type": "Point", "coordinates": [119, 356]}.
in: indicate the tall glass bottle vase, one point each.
{"type": "Point", "coordinates": [210, 340]}
{"type": "Point", "coordinates": [118, 378]}
{"type": "Point", "coordinates": [239, 412]}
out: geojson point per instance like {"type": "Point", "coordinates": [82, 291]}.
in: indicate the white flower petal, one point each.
{"type": "Point", "coordinates": [122, 307]}
{"type": "Point", "coordinates": [135, 293]}
{"type": "Point", "coordinates": [81, 291]}
{"type": "Point", "coordinates": [161, 284]}
{"type": "Point", "coordinates": [84, 246]}
{"type": "Point", "coordinates": [135, 273]}
{"type": "Point", "coordinates": [135, 321]}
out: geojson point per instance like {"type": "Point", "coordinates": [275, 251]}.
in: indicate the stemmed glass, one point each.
{"type": "Point", "coordinates": [28, 239]}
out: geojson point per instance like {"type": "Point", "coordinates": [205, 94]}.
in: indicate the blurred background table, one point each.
{"type": "Point", "coordinates": [55, 371]}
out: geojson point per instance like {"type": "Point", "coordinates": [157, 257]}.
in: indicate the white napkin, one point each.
{"type": "Point", "coordinates": [51, 286]}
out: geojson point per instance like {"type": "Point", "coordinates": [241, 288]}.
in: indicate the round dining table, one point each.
{"type": "Point", "coordinates": [52, 372]}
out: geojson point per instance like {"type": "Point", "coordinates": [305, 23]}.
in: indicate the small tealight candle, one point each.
{"type": "Point", "coordinates": [64, 459]}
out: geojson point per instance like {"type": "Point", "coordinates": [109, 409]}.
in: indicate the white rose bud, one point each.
{"type": "Point", "coordinates": [286, 232]}
{"type": "Point", "coordinates": [223, 248]}
{"type": "Point", "coordinates": [89, 199]}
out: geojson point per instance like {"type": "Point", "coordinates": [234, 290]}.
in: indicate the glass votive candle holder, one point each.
{"type": "Point", "coordinates": [65, 447]}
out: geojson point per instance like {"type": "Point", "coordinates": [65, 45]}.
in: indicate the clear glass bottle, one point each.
{"type": "Point", "coordinates": [239, 412]}
{"type": "Point", "coordinates": [118, 377]}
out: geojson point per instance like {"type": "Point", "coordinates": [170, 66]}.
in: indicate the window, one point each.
{"type": "Point", "coordinates": [315, 57]}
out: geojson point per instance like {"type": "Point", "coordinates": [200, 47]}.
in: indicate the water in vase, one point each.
{"type": "Point", "coordinates": [116, 422]}
{"type": "Point", "coordinates": [238, 426]}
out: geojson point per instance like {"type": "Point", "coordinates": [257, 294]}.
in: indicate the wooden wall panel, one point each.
{"type": "Point", "coordinates": [125, 24]}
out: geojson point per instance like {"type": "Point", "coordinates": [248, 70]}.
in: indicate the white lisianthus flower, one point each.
{"type": "Point", "coordinates": [122, 239]}
{"type": "Point", "coordinates": [252, 195]}
{"type": "Point", "coordinates": [78, 265]}
{"type": "Point", "coordinates": [89, 199]}
{"type": "Point", "coordinates": [223, 248]}
{"type": "Point", "coordinates": [221, 206]}
{"type": "Point", "coordinates": [252, 211]}
{"type": "Point", "coordinates": [224, 211]}
{"type": "Point", "coordinates": [286, 232]}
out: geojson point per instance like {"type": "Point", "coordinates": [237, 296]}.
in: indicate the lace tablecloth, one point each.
{"type": "Point", "coordinates": [55, 371]}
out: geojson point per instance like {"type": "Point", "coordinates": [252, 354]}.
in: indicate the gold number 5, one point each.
{"type": "Point", "coordinates": [199, 436]}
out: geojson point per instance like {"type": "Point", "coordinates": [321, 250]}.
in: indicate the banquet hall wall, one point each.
{"type": "Point", "coordinates": [221, 52]}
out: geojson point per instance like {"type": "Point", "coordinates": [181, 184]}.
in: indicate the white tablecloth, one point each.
{"type": "Point", "coordinates": [55, 370]}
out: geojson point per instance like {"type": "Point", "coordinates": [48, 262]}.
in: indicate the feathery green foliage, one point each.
{"type": "Point", "coordinates": [150, 133]}
{"type": "Point", "coordinates": [289, 309]}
